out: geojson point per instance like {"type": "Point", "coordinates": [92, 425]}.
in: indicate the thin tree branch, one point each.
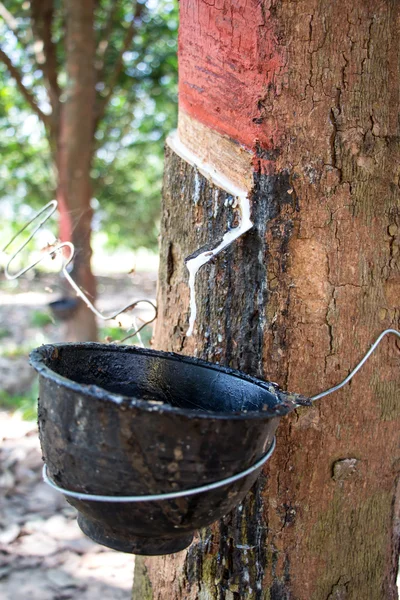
{"type": "Point", "coordinates": [105, 36]}
{"type": "Point", "coordinates": [26, 93]}
{"type": "Point", "coordinates": [118, 65]}
{"type": "Point", "coordinates": [9, 19]}
{"type": "Point", "coordinates": [12, 25]}
{"type": "Point", "coordinates": [42, 19]}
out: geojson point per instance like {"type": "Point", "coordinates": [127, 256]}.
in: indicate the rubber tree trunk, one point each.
{"type": "Point", "coordinates": [306, 94]}
{"type": "Point", "coordinates": [74, 155]}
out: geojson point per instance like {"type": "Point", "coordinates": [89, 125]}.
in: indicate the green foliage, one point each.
{"type": "Point", "coordinates": [128, 197]}
{"type": "Point", "coordinates": [113, 334]}
{"type": "Point", "coordinates": [4, 332]}
{"type": "Point", "coordinates": [24, 404]}
{"type": "Point", "coordinates": [14, 350]}
{"type": "Point", "coordinates": [127, 170]}
{"type": "Point", "coordinates": [27, 180]}
{"type": "Point", "coordinates": [127, 164]}
{"type": "Point", "coordinates": [40, 319]}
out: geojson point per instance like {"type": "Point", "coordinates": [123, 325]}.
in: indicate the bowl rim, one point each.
{"type": "Point", "coordinates": [65, 300]}
{"type": "Point", "coordinates": [286, 402]}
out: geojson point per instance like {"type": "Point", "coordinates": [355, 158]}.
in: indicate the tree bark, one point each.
{"type": "Point", "coordinates": [74, 157]}
{"type": "Point", "coordinates": [298, 299]}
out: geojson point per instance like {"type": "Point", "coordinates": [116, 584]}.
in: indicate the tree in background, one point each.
{"type": "Point", "coordinates": [87, 92]}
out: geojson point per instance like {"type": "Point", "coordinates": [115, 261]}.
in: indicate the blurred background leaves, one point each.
{"type": "Point", "coordinates": [127, 166]}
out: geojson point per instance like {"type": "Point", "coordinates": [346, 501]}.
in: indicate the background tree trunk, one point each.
{"type": "Point", "coordinates": [74, 156]}
{"type": "Point", "coordinates": [311, 90]}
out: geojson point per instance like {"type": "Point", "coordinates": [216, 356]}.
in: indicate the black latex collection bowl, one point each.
{"type": "Point", "coordinates": [124, 421]}
{"type": "Point", "coordinates": [64, 308]}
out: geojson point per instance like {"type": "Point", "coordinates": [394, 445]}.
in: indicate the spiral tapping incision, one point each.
{"type": "Point", "coordinates": [48, 210]}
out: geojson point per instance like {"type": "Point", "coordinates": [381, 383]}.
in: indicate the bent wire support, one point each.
{"type": "Point", "coordinates": [358, 367]}
{"type": "Point", "coordinates": [167, 496]}
{"type": "Point", "coordinates": [50, 208]}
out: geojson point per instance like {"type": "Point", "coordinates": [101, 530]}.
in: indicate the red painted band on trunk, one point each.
{"type": "Point", "coordinates": [228, 67]}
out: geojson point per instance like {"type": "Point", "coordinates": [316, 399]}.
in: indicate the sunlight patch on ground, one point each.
{"type": "Point", "coordinates": [25, 299]}
{"type": "Point", "coordinates": [122, 261]}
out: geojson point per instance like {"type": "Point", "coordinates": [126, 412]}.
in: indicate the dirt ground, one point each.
{"type": "Point", "coordinates": [43, 554]}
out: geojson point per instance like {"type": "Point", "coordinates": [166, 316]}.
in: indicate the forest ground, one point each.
{"type": "Point", "coordinates": [43, 554]}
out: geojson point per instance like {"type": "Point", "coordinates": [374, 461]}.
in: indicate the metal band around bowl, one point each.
{"type": "Point", "coordinates": [159, 497]}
